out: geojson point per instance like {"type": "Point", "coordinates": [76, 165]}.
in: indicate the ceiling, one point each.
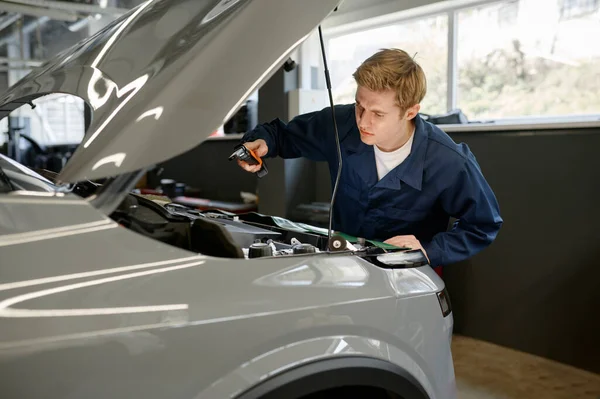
{"type": "Point", "coordinates": [50, 25]}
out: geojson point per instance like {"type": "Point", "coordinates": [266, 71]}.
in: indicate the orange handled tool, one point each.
{"type": "Point", "coordinates": [250, 157]}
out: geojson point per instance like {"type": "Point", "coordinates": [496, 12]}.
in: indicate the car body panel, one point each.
{"type": "Point", "coordinates": [310, 351]}
{"type": "Point", "coordinates": [23, 214]}
{"type": "Point", "coordinates": [154, 73]}
{"type": "Point", "coordinates": [152, 320]}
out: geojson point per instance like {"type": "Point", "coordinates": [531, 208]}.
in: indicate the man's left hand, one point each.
{"type": "Point", "coordinates": [407, 242]}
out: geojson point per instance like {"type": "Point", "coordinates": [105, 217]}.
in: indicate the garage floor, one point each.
{"type": "Point", "coordinates": [487, 371]}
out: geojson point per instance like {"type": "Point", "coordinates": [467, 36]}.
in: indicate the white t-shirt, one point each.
{"type": "Point", "coordinates": [387, 161]}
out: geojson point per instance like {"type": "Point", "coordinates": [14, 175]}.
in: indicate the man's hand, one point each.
{"type": "Point", "coordinates": [260, 148]}
{"type": "Point", "coordinates": [407, 242]}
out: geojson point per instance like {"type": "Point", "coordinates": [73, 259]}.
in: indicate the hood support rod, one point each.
{"type": "Point", "coordinates": [337, 142]}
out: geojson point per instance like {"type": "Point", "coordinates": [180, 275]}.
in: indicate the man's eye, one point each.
{"type": "Point", "coordinates": [379, 115]}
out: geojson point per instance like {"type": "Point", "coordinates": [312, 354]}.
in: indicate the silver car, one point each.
{"type": "Point", "coordinates": [105, 293]}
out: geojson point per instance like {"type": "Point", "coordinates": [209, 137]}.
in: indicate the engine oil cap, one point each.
{"type": "Point", "coordinates": [304, 249]}
{"type": "Point", "coordinates": [259, 250]}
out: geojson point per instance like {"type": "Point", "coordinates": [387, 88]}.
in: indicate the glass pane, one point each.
{"type": "Point", "coordinates": [61, 118]}
{"type": "Point", "coordinates": [529, 58]}
{"type": "Point", "coordinates": [427, 38]}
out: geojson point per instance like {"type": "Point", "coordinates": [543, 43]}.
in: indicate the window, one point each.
{"type": "Point", "coordinates": [539, 65]}
{"type": "Point", "coordinates": [56, 119]}
{"type": "Point", "coordinates": [574, 8]}
{"type": "Point", "coordinates": [507, 13]}
{"type": "Point", "coordinates": [62, 119]}
{"type": "Point", "coordinates": [511, 59]}
{"type": "Point", "coordinates": [426, 39]}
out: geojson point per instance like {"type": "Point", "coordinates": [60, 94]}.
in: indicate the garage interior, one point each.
{"type": "Point", "coordinates": [517, 80]}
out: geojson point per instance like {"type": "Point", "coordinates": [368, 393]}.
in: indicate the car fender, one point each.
{"type": "Point", "coordinates": [317, 363]}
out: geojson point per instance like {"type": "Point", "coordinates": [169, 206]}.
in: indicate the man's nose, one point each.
{"type": "Point", "coordinates": [364, 122]}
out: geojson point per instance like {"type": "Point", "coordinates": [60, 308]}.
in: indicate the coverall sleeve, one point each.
{"type": "Point", "coordinates": [471, 200]}
{"type": "Point", "coordinates": [308, 135]}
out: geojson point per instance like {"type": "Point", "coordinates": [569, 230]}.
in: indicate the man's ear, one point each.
{"type": "Point", "coordinates": [412, 112]}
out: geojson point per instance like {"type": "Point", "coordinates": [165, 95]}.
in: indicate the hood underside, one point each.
{"type": "Point", "coordinates": [163, 77]}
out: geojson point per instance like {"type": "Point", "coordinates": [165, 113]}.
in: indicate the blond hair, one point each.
{"type": "Point", "coordinates": [393, 69]}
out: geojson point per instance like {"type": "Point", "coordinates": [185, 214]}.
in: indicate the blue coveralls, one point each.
{"type": "Point", "coordinates": [439, 179]}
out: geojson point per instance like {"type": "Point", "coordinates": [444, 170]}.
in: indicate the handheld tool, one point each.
{"type": "Point", "coordinates": [250, 157]}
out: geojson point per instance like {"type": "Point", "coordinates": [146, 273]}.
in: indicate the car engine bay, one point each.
{"type": "Point", "coordinates": [215, 232]}
{"type": "Point", "coordinates": [245, 236]}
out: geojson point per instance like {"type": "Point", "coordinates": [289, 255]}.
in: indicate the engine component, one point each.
{"type": "Point", "coordinates": [304, 249]}
{"type": "Point", "coordinates": [259, 250]}
{"type": "Point", "coordinates": [337, 243]}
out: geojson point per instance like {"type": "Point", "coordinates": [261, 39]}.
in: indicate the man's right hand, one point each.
{"type": "Point", "coordinates": [260, 148]}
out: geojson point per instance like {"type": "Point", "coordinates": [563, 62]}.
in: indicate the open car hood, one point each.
{"type": "Point", "coordinates": [161, 78]}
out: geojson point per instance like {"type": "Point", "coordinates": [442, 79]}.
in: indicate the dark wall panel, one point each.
{"type": "Point", "coordinates": [536, 288]}
{"type": "Point", "coordinates": [207, 167]}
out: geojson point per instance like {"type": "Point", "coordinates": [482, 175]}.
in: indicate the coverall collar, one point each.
{"type": "Point", "coordinates": [410, 171]}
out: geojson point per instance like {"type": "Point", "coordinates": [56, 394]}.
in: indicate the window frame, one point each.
{"type": "Point", "coordinates": [451, 9]}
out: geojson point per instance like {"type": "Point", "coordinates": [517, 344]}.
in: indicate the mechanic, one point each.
{"type": "Point", "coordinates": [402, 178]}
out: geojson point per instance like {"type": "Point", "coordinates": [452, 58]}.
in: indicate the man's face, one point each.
{"type": "Point", "coordinates": [379, 118]}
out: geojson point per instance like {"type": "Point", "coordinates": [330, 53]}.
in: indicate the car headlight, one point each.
{"type": "Point", "coordinates": [444, 300]}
